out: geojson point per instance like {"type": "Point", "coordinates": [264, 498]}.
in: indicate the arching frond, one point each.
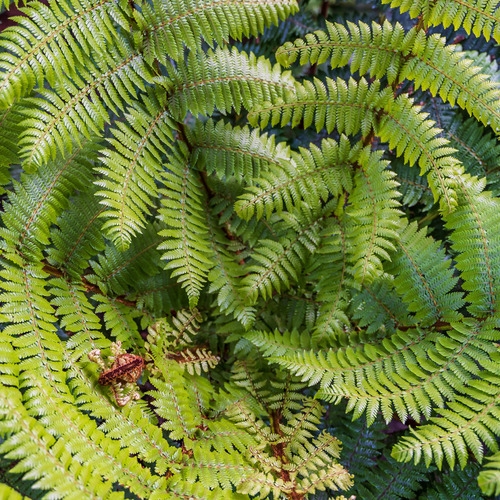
{"type": "Point", "coordinates": [234, 152]}
{"type": "Point", "coordinates": [131, 167]}
{"type": "Point", "coordinates": [211, 21]}
{"type": "Point", "coordinates": [185, 242]}
{"type": "Point", "coordinates": [389, 50]}
{"type": "Point", "coordinates": [354, 107]}
{"type": "Point", "coordinates": [478, 17]}
{"type": "Point", "coordinates": [50, 39]}
{"type": "Point", "coordinates": [82, 106]}
{"type": "Point", "coordinates": [224, 80]}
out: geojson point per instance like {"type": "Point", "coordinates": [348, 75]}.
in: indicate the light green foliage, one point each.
{"type": "Point", "coordinates": [210, 264]}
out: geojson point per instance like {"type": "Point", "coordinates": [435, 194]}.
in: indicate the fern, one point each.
{"type": "Point", "coordinates": [209, 263]}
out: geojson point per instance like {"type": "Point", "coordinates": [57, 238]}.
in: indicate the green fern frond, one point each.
{"type": "Point", "coordinates": [455, 484]}
{"type": "Point", "coordinates": [38, 200]}
{"type": "Point", "coordinates": [49, 40]}
{"type": "Point", "coordinates": [478, 17]}
{"type": "Point", "coordinates": [224, 80]}
{"type": "Point", "coordinates": [359, 107]}
{"type": "Point", "coordinates": [78, 236]}
{"type": "Point", "coordinates": [225, 277]}
{"type": "Point", "coordinates": [465, 427]}
{"type": "Point", "coordinates": [59, 116]}
{"type": "Point", "coordinates": [475, 239]}
{"type": "Point", "coordinates": [234, 152]}
{"type": "Point", "coordinates": [276, 264]}
{"type": "Point", "coordinates": [44, 458]}
{"type": "Point", "coordinates": [372, 216]}
{"type": "Point", "coordinates": [331, 268]}
{"type": "Point", "coordinates": [131, 425]}
{"type": "Point", "coordinates": [413, 187]}
{"type": "Point", "coordinates": [186, 241]}
{"type": "Point", "coordinates": [389, 50]}
{"type": "Point", "coordinates": [424, 278]}
{"type": "Point", "coordinates": [201, 20]}
{"type": "Point", "coordinates": [312, 176]}
{"type": "Point", "coordinates": [120, 320]}
{"type": "Point", "coordinates": [132, 166]}
{"type": "Point", "coordinates": [489, 477]}
{"type": "Point", "coordinates": [11, 129]}
{"type": "Point", "coordinates": [116, 272]}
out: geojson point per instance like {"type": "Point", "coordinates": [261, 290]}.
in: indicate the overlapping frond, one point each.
{"type": "Point", "coordinates": [372, 217]}
{"type": "Point", "coordinates": [389, 50]}
{"type": "Point", "coordinates": [489, 477]}
{"type": "Point", "coordinates": [169, 27]}
{"type": "Point", "coordinates": [475, 239]}
{"type": "Point", "coordinates": [81, 106]}
{"type": "Point", "coordinates": [132, 166]}
{"type": "Point", "coordinates": [235, 152]}
{"type": "Point", "coordinates": [40, 197]}
{"type": "Point", "coordinates": [424, 279]}
{"type": "Point", "coordinates": [223, 79]}
{"type": "Point", "coordinates": [49, 40]}
{"type": "Point", "coordinates": [312, 177]}
{"type": "Point", "coordinates": [78, 236]}
{"type": "Point", "coordinates": [185, 242]}
{"type": "Point", "coordinates": [478, 17]}
{"type": "Point", "coordinates": [277, 264]}
{"type": "Point", "coordinates": [354, 107]}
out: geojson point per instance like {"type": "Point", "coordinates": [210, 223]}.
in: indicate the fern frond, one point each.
{"type": "Point", "coordinates": [456, 484]}
{"type": "Point", "coordinates": [49, 40]}
{"type": "Point", "coordinates": [313, 175]}
{"type": "Point", "coordinates": [223, 80]}
{"type": "Point", "coordinates": [469, 423]}
{"type": "Point", "coordinates": [59, 116]}
{"type": "Point", "coordinates": [478, 17]}
{"type": "Point", "coordinates": [235, 152]}
{"type": "Point", "coordinates": [389, 50]}
{"type": "Point", "coordinates": [36, 202]}
{"type": "Point", "coordinates": [359, 107]}
{"type": "Point", "coordinates": [44, 458]}
{"type": "Point", "coordinates": [475, 239]}
{"type": "Point", "coordinates": [76, 317]}
{"type": "Point", "coordinates": [424, 278]}
{"type": "Point", "coordinates": [185, 242]}
{"type": "Point", "coordinates": [131, 425]}
{"type": "Point", "coordinates": [489, 477]}
{"type": "Point", "coordinates": [276, 264]}
{"type": "Point", "coordinates": [225, 277]}
{"type": "Point", "coordinates": [331, 268]}
{"type": "Point", "coordinates": [120, 320]}
{"type": "Point", "coordinates": [211, 21]}
{"type": "Point", "coordinates": [78, 236]}
{"type": "Point", "coordinates": [116, 272]}
{"type": "Point", "coordinates": [372, 217]}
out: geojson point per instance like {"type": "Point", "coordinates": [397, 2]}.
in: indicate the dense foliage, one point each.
{"type": "Point", "coordinates": [250, 250]}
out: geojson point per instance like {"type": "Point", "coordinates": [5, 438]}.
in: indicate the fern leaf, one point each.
{"type": "Point", "coordinates": [312, 176]}
{"type": "Point", "coordinates": [475, 17]}
{"type": "Point", "coordinates": [226, 151]}
{"type": "Point", "coordinates": [116, 272]}
{"type": "Point", "coordinates": [475, 238]}
{"type": "Point", "coordinates": [424, 278]}
{"type": "Point", "coordinates": [372, 218]}
{"type": "Point", "coordinates": [131, 167]}
{"type": "Point", "coordinates": [358, 107]}
{"type": "Point", "coordinates": [277, 263]}
{"type": "Point", "coordinates": [489, 478]}
{"type": "Point", "coordinates": [79, 235]}
{"type": "Point", "coordinates": [36, 202]}
{"type": "Point", "coordinates": [199, 20]}
{"type": "Point", "coordinates": [223, 80]}
{"type": "Point", "coordinates": [49, 40]}
{"type": "Point", "coordinates": [389, 50]}
{"type": "Point", "coordinates": [59, 116]}
{"type": "Point", "coordinates": [186, 241]}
